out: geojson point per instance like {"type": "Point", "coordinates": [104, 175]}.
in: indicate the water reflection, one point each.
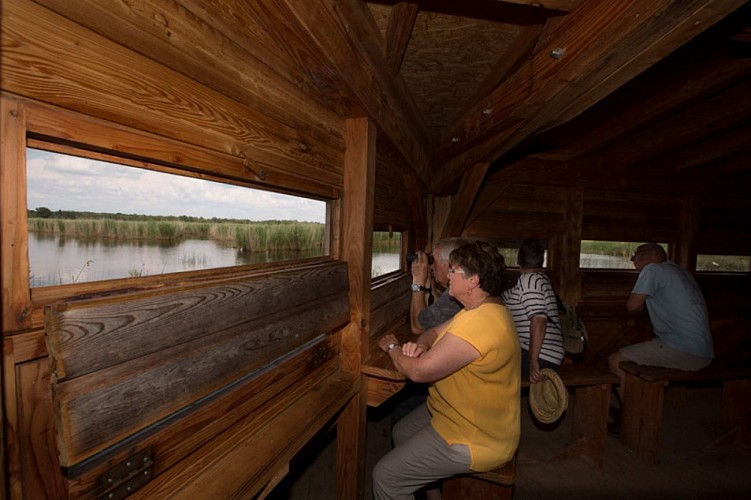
{"type": "Point", "coordinates": [59, 260]}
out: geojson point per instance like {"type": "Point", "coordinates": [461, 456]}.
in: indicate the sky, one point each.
{"type": "Point", "coordinates": [63, 182]}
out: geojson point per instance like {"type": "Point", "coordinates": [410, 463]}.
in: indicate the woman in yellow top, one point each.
{"type": "Point", "coordinates": [470, 422]}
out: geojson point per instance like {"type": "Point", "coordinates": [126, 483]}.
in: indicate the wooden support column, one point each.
{"type": "Point", "coordinates": [564, 254]}
{"type": "Point", "coordinates": [16, 299]}
{"type": "Point", "coordinates": [462, 205]}
{"type": "Point", "coordinates": [684, 253]}
{"type": "Point", "coordinates": [357, 243]}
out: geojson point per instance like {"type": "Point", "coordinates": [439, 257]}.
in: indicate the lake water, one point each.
{"type": "Point", "coordinates": [58, 261]}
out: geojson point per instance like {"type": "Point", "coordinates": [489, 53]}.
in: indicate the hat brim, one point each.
{"type": "Point", "coordinates": [548, 398]}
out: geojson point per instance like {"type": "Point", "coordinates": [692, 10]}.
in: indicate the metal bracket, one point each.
{"type": "Point", "coordinates": [125, 477]}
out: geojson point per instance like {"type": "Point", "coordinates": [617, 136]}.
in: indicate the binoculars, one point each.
{"type": "Point", "coordinates": [411, 257]}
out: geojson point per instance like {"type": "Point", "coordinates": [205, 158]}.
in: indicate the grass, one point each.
{"type": "Point", "coordinates": [247, 236]}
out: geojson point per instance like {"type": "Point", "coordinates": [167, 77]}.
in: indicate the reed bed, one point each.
{"type": "Point", "coordinates": [250, 236]}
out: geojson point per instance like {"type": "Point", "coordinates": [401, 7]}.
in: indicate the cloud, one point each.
{"type": "Point", "coordinates": [64, 182]}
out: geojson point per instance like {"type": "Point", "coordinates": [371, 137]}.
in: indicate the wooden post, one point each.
{"type": "Point", "coordinates": [357, 243]}
{"type": "Point", "coordinates": [16, 298]}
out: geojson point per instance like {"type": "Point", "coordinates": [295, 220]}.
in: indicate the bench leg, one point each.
{"type": "Point", "coordinates": [736, 408]}
{"type": "Point", "coordinates": [468, 487]}
{"type": "Point", "coordinates": [590, 422]}
{"type": "Point", "coordinates": [642, 416]}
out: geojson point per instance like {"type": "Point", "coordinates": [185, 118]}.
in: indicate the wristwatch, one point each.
{"type": "Point", "coordinates": [419, 288]}
{"type": "Point", "coordinates": [392, 346]}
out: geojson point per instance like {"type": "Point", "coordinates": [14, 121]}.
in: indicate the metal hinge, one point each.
{"type": "Point", "coordinates": [125, 477]}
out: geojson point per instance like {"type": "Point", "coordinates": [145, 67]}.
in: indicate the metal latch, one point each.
{"type": "Point", "coordinates": [125, 477]}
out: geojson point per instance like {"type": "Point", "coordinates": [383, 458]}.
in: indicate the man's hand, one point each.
{"type": "Point", "coordinates": [420, 269]}
{"type": "Point", "coordinates": [534, 371]}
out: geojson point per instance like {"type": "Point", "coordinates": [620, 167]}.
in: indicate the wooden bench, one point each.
{"type": "Point", "coordinates": [643, 396]}
{"type": "Point", "coordinates": [491, 485]}
{"type": "Point", "coordinates": [592, 385]}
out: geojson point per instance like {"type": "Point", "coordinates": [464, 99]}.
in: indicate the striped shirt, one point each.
{"type": "Point", "coordinates": [532, 296]}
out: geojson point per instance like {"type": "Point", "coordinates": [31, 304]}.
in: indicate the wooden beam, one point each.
{"type": "Point", "coordinates": [661, 92]}
{"type": "Point", "coordinates": [400, 24]}
{"type": "Point", "coordinates": [357, 241]}
{"type": "Point", "coordinates": [75, 68]}
{"type": "Point", "coordinates": [604, 44]}
{"type": "Point", "coordinates": [490, 192]}
{"type": "Point", "coordinates": [687, 131]}
{"type": "Point", "coordinates": [562, 5]}
{"type": "Point", "coordinates": [512, 58]}
{"type": "Point", "coordinates": [417, 210]}
{"type": "Point", "coordinates": [468, 190]}
{"type": "Point", "coordinates": [346, 33]}
{"type": "Point", "coordinates": [229, 54]}
{"type": "Point", "coordinates": [16, 298]}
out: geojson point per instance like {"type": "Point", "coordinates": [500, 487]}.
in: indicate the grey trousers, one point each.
{"type": "Point", "coordinates": [420, 457]}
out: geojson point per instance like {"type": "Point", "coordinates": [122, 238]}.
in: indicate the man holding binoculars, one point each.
{"type": "Point", "coordinates": [422, 315]}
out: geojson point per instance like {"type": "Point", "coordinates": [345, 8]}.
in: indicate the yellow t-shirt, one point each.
{"type": "Point", "coordinates": [479, 405]}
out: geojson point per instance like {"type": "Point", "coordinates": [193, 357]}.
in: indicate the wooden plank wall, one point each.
{"type": "Point", "coordinates": [524, 208]}
{"type": "Point", "coordinates": [107, 77]}
{"type": "Point", "coordinates": [121, 364]}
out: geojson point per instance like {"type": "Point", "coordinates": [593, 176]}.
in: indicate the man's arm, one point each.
{"type": "Point", "coordinates": [417, 304]}
{"type": "Point", "coordinates": [419, 301]}
{"type": "Point", "coordinates": [537, 327]}
{"type": "Point", "coordinates": [635, 302]}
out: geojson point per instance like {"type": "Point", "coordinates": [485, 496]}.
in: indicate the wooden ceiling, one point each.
{"type": "Point", "coordinates": [618, 90]}
{"type": "Point", "coordinates": [608, 91]}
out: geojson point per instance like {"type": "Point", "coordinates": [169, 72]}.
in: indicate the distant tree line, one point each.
{"type": "Point", "coordinates": [46, 213]}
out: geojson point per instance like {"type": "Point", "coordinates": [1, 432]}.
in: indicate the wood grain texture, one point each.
{"type": "Point", "coordinates": [14, 270]}
{"type": "Point", "coordinates": [122, 365]}
{"type": "Point", "coordinates": [78, 69]}
{"type": "Point", "coordinates": [90, 335]}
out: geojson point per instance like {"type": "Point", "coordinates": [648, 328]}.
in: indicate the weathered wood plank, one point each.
{"type": "Point", "coordinates": [239, 463]}
{"type": "Point", "coordinates": [585, 74]}
{"type": "Point", "coordinates": [39, 471]}
{"type": "Point", "coordinates": [401, 20]}
{"type": "Point", "coordinates": [347, 34]}
{"type": "Point", "coordinates": [188, 431]}
{"type": "Point", "coordinates": [76, 68]}
{"type": "Point", "coordinates": [202, 40]}
{"type": "Point", "coordinates": [103, 407]}
{"type": "Point", "coordinates": [357, 233]}
{"type": "Point", "coordinates": [385, 293]}
{"type": "Point", "coordinates": [465, 198]}
{"type": "Point", "coordinates": [90, 335]}
{"type": "Point", "coordinates": [126, 364]}
{"type": "Point", "coordinates": [49, 121]}
{"type": "Point", "coordinates": [14, 246]}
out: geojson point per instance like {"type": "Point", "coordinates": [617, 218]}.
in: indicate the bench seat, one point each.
{"type": "Point", "coordinates": [495, 484]}
{"type": "Point", "coordinates": [643, 398]}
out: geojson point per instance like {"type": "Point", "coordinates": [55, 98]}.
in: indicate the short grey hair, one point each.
{"type": "Point", "coordinates": [445, 246]}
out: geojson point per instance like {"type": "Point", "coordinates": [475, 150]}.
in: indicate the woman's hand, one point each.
{"type": "Point", "coordinates": [384, 341]}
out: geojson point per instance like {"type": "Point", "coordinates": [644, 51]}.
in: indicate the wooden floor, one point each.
{"type": "Point", "coordinates": [697, 460]}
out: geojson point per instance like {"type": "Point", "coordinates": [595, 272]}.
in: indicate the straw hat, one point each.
{"type": "Point", "coordinates": [548, 399]}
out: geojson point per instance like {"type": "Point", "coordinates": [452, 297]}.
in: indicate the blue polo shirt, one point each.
{"type": "Point", "coordinates": [676, 308]}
